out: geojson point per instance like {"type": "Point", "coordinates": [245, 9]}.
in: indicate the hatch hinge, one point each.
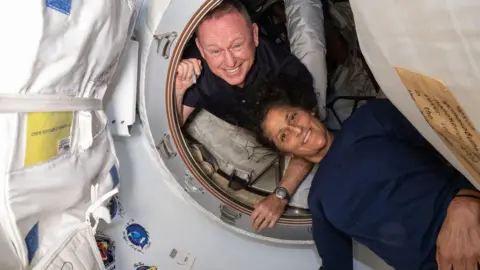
{"type": "Point", "coordinates": [164, 43]}
{"type": "Point", "coordinates": [165, 147]}
{"type": "Point", "coordinates": [229, 215]}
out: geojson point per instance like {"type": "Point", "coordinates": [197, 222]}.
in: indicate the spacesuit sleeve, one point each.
{"type": "Point", "coordinates": [334, 247]}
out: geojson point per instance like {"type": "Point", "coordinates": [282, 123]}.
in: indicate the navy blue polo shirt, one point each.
{"type": "Point", "coordinates": [232, 103]}
{"type": "Point", "coordinates": [382, 184]}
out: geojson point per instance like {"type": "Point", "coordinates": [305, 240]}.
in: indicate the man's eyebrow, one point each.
{"type": "Point", "coordinates": [238, 39]}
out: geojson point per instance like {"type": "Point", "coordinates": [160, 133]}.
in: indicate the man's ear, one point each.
{"type": "Point", "coordinates": [255, 33]}
{"type": "Point", "coordinates": [200, 48]}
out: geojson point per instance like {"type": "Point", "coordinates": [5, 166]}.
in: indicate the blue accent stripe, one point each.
{"type": "Point", "coordinates": [114, 174]}
{"type": "Point", "coordinates": [63, 6]}
{"type": "Point", "coordinates": [32, 242]}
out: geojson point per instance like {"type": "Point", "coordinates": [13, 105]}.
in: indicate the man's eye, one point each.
{"type": "Point", "coordinates": [236, 46]}
{"type": "Point", "coordinates": [283, 136]}
{"type": "Point", "coordinates": [215, 52]}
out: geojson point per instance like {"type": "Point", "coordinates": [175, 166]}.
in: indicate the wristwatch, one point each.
{"type": "Point", "coordinates": [282, 193]}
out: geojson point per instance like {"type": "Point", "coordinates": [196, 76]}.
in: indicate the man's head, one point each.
{"type": "Point", "coordinates": [227, 40]}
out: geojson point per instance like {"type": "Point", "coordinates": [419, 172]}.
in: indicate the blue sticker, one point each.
{"type": "Point", "coordinates": [147, 267]}
{"type": "Point", "coordinates": [114, 174]}
{"type": "Point", "coordinates": [136, 236]}
{"type": "Point", "coordinates": [32, 242]}
{"type": "Point", "coordinates": [64, 6]}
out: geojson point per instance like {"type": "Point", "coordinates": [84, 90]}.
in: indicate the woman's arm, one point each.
{"type": "Point", "coordinates": [334, 247]}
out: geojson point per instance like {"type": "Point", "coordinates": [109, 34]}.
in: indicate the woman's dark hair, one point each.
{"type": "Point", "coordinates": [278, 91]}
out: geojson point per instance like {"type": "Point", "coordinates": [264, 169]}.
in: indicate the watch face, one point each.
{"type": "Point", "coordinates": [281, 193]}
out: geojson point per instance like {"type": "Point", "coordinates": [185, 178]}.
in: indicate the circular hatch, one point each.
{"type": "Point", "coordinates": [225, 179]}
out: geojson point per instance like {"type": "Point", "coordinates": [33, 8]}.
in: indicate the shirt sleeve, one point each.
{"type": "Point", "coordinates": [396, 124]}
{"type": "Point", "coordinates": [193, 98]}
{"type": "Point", "coordinates": [334, 247]}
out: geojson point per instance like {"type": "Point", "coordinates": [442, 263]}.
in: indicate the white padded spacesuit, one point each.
{"type": "Point", "coordinates": [57, 162]}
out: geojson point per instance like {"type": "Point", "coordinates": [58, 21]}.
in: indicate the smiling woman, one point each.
{"type": "Point", "coordinates": [296, 131]}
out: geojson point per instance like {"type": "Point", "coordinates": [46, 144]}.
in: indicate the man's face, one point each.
{"type": "Point", "coordinates": [228, 46]}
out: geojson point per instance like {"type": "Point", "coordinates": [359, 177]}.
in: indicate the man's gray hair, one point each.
{"type": "Point", "coordinates": [226, 7]}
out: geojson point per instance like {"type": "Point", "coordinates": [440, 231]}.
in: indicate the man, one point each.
{"type": "Point", "coordinates": [231, 61]}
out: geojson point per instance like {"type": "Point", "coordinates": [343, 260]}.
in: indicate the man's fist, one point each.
{"type": "Point", "coordinates": [185, 72]}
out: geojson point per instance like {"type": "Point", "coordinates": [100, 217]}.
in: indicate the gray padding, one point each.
{"type": "Point", "coordinates": [232, 147]}
{"type": "Point", "coordinates": [307, 42]}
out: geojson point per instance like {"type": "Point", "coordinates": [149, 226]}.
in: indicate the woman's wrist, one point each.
{"type": "Point", "coordinates": [468, 193]}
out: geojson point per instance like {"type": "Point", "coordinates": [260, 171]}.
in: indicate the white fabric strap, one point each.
{"type": "Point", "coordinates": [12, 103]}
{"type": "Point", "coordinates": [97, 211]}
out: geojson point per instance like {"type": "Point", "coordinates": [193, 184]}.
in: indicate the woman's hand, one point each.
{"type": "Point", "coordinates": [267, 212]}
{"type": "Point", "coordinates": [458, 243]}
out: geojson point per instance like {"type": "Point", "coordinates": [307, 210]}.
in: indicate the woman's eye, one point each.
{"type": "Point", "coordinates": [293, 116]}
{"type": "Point", "coordinates": [283, 136]}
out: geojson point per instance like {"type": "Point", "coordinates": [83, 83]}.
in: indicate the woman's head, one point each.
{"type": "Point", "coordinates": [296, 131]}
{"type": "Point", "coordinates": [289, 124]}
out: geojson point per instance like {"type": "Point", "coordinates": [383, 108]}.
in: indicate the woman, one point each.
{"type": "Point", "coordinates": [379, 182]}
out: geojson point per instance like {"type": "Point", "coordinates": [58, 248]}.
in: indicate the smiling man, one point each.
{"type": "Point", "coordinates": [222, 76]}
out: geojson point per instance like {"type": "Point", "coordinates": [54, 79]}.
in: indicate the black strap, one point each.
{"type": "Point", "coordinates": [468, 196]}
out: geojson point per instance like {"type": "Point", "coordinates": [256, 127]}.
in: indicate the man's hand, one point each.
{"type": "Point", "coordinates": [185, 72]}
{"type": "Point", "coordinates": [458, 243]}
{"type": "Point", "coordinates": [267, 212]}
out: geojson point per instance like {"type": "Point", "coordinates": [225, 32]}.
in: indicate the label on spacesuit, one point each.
{"type": "Point", "coordinates": [48, 134]}
{"type": "Point", "coordinates": [445, 115]}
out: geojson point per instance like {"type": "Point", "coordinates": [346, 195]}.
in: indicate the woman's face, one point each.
{"type": "Point", "coordinates": [296, 131]}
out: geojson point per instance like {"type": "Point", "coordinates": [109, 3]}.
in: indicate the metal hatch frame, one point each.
{"type": "Point", "coordinates": [171, 34]}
